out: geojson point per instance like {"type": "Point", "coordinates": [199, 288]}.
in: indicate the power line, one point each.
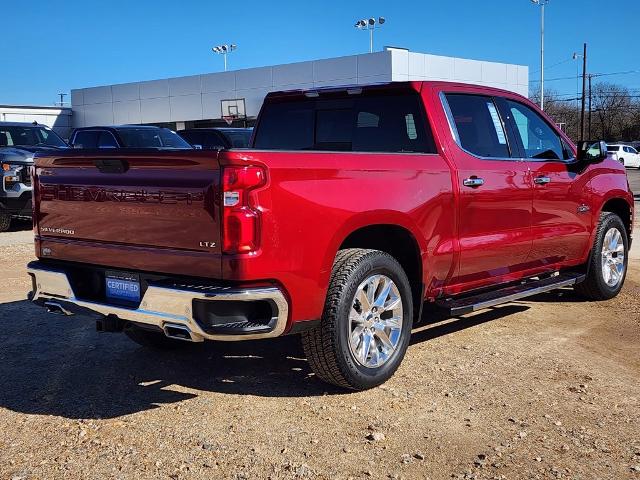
{"type": "Point", "coordinates": [551, 66]}
{"type": "Point", "coordinates": [628, 72]}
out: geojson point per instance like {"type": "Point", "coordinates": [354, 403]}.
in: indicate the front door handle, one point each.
{"type": "Point", "coordinates": [473, 182]}
{"type": "Point", "coordinates": [541, 180]}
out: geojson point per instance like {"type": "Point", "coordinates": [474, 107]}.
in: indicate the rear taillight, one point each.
{"type": "Point", "coordinates": [241, 218]}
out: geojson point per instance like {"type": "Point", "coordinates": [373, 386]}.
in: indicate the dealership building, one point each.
{"type": "Point", "coordinates": [215, 99]}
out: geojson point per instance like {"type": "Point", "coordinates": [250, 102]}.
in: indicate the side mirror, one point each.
{"type": "Point", "coordinates": [198, 147]}
{"type": "Point", "coordinates": [590, 151]}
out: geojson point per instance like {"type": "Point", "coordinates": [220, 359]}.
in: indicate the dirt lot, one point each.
{"type": "Point", "coordinates": [545, 388]}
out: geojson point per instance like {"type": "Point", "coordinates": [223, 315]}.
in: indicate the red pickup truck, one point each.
{"type": "Point", "coordinates": [354, 207]}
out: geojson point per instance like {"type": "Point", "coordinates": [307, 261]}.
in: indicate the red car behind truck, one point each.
{"type": "Point", "coordinates": [354, 207]}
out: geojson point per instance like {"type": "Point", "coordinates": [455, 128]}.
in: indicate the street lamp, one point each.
{"type": "Point", "coordinates": [370, 24]}
{"type": "Point", "coordinates": [577, 56]}
{"type": "Point", "coordinates": [224, 50]}
{"type": "Point", "coordinates": [542, 4]}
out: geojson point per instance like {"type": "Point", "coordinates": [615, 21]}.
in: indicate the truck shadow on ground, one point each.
{"type": "Point", "coordinates": [20, 225]}
{"type": "Point", "coordinates": [53, 365]}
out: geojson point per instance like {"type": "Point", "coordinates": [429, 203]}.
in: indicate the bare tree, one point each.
{"type": "Point", "coordinates": [611, 104]}
{"type": "Point", "coordinates": [615, 113]}
{"type": "Point", "coordinates": [564, 112]}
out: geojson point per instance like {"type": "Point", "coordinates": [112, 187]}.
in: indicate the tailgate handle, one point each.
{"type": "Point", "coordinates": [111, 165]}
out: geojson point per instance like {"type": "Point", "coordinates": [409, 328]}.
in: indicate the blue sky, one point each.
{"type": "Point", "coordinates": [54, 46]}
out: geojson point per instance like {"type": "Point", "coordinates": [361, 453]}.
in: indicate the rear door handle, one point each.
{"type": "Point", "coordinates": [473, 182]}
{"type": "Point", "coordinates": [541, 180]}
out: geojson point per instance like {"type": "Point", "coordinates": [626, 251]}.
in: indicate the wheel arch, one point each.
{"type": "Point", "coordinates": [623, 209]}
{"type": "Point", "coordinates": [399, 242]}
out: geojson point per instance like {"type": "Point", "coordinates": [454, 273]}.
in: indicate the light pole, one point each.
{"type": "Point", "coordinates": [370, 24]}
{"type": "Point", "coordinates": [224, 50]}
{"type": "Point", "coordinates": [542, 4]}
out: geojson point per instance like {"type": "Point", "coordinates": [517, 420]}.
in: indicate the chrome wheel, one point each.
{"type": "Point", "coordinates": [613, 257]}
{"type": "Point", "coordinates": [375, 321]}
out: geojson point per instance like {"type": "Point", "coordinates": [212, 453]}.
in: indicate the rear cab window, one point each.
{"type": "Point", "coordinates": [371, 122]}
{"type": "Point", "coordinates": [86, 139]}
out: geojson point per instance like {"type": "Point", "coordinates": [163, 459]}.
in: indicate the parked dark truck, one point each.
{"type": "Point", "coordinates": [18, 143]}
{"type": "Point", "coordinates": [354, 207]}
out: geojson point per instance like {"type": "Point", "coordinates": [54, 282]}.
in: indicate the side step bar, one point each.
{"type": "Point", "coordinates": [462, 305]}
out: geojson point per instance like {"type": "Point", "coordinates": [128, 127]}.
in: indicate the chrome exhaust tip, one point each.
{"type": "Point", "coordinates": [178, 332]}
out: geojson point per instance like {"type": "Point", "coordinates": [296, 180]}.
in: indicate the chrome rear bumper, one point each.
{"type": "Point", "coordinates": [161, 307]}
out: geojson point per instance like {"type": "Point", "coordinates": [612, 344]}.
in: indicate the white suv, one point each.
{"type": "Point", "coordinates": [625, 154]}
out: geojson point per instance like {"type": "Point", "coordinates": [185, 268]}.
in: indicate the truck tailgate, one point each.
{"type": "Point", "coordinates": [154, 211]}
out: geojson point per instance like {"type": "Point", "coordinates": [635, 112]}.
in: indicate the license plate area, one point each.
{"type": "Point", "coordinates": [122, 287]}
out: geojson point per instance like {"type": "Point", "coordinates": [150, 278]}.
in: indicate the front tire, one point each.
{"type": "Point", "coordinates": [608, 260]}
{"type": "Point", "coordinates": [366, 324]}
{"type": "Point", "coordinates": [5, 222]}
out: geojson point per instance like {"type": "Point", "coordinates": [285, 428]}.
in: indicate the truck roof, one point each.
{"type": "Point", "coordinates": [416, 85]}
{"type": "Point", "coordinates": [23, 124]}
{"type": "Point", "coordinates": [120, 127]}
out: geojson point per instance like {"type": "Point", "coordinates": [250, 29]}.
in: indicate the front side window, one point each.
{"type": "Point", "coordinates": [368, 123]}
{"type": "Point", "coordinates": [539, 140]}
{"type": "Point", "coordinates": [479, 126]}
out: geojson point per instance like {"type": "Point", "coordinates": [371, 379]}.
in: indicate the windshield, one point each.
{"type": "Point", "coordinates": [151, 138]}
{"type": "Point", "coordinates": [613, 148]}
{"type": "Point", "coordinates": [29, 136]}
{"type": "Point", "coordinates": [239, 138]}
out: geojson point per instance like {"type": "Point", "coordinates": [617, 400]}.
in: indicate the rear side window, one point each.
{"type": "Point", "coordinates": [239, 138]}
{"type": "Point", "coordinates": [107, 140]}
{"type": "Point", "coordinates": [613, 148]}
{"type": "Point", "coordinates": [151, 138]}
{"type": "Point", "coordinates": [479, 126]}
{"type": "Point", "coordinates": [86, 139]}
{"type": "Point", "coordinates": [377, 123]}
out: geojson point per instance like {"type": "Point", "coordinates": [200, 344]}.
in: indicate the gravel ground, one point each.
{"type": "Point", "coordinates": [543, 388]}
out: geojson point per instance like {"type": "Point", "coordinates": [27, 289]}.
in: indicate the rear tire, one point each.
{"type": "Point", "coordinates": [607, 270]}
{"type": "Point", "coordinates": [366, 324]}
{"type": "Point", "coordinates": [153, 339]}
{"type": "Point", "coordinates": [5, 222]}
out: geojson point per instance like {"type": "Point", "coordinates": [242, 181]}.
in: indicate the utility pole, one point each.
{"type": "Point", "coordinates": [584, 87]}
{"type": "Point", "coordinates": [62, 95]}
{"type": "Point", "coordinates": [589, 128]}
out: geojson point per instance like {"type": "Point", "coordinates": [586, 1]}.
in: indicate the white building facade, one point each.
{"type": "Point", "coordinates": [198, 100]}
{"type": "Point", "coordinates": [58, 118]}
